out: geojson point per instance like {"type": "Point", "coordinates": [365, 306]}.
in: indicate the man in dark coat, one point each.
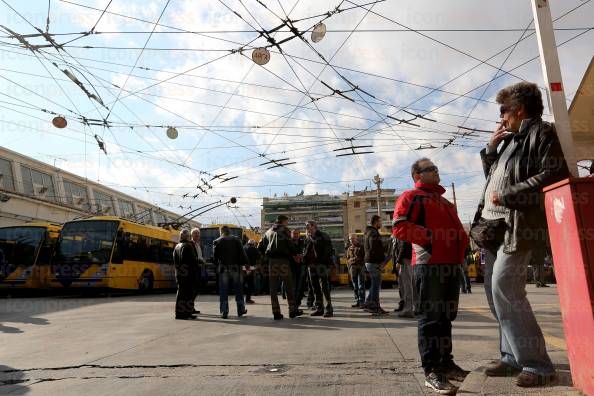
{"type": "Point", "coordinates": [229, 257]}
{"type": "Point", "coordinates": [318, 257]}
{"type": "Point", "coordinates": [185, 260]}
{"type": "Point", "coordinates": [529, 159]}
{"type": "Point", "coordinates": [278, 247]}
{"type": "Point", "coordinates": [253, 255]}
{"type": "Point", "coordinates": [300, 276]}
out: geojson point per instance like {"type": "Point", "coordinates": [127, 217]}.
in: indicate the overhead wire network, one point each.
{"type": "Point", "coordinates": [291, 118]}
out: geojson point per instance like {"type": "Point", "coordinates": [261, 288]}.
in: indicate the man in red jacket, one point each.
{"type": "Point", "coordinates": [430, 222]}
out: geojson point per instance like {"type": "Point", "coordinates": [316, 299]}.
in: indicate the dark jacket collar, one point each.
{"type": "Point", "coordinates": [525, 128]}
{"type": "Point", "coordinates": [432, 188]}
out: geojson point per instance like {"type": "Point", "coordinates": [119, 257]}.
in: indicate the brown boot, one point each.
{"type": "Point", "coordinates": [501, 370]}
{"type": "Point", "coordinates": [527, 379]}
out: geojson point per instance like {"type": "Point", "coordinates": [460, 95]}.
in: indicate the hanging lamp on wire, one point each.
{"type": "Point", "coordinates": [172, 133]}
{"type": "Point", "coordinates": [59, 122]}
{"type": "Point", "coordinates": [318, 32]}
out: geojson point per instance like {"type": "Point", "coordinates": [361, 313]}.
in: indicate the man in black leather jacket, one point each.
{"type": "Point", "coordinates": [318, 256]}
{"type": "Point", "coordinates": [185, 260]}
{"type": "Point", "coordinates": [529, 159]}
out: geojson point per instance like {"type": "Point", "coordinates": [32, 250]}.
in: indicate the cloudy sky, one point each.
{"type": "Point", "coordinates": [188, 64]}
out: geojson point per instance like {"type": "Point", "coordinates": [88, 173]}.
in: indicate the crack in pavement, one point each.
{"type": "Point", "coordinates": [193, 365]}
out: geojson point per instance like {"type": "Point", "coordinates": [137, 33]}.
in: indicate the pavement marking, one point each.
{"type": "Point", "coordinates": [549, 339]}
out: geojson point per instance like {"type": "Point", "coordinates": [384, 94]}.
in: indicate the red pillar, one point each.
{"type": "Point", "coordinates": [569, 207]}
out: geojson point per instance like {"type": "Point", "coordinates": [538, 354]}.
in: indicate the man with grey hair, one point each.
{"type": "Point", "coordinates": [510, 225]}
{"type": "Point", "coordinates": [185, 260]}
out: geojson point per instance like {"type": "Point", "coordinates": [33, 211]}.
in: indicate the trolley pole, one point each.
{"type": "Point", "coordinates": [454, 194]}
{"type": "Point", "coordinates": [378, 182]}
{"type": "Point", "coordinates": [549, 59]}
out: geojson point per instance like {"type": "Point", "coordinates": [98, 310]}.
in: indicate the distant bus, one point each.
{"type": "Point", "coordinates": [208, 234]}
{"type": "Point", "coordinates": [110, 252]}
{"type": "Point", "coordinates": [25, 251]}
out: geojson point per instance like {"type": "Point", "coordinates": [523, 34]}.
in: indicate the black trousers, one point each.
{"type": "Point", "coordinates": [280, 270]}
{"type": "Point", "coordinates": [319, 276]}
{"type": "Point", "coordinates": [438, 291]}
{"type": "Point", "coordinates": [248, 285]}
{"type": "Point", "coordinates": [184, 302]}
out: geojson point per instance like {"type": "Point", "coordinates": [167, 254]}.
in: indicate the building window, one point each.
{"type": "Point", "coordinates": [144, 215]}
{"type": "Point", "coordinates": [103, 203]}
{"type": "Point", "coordinates": [6, 178]}
{"type": "Point", "coordinates": [126, 209]}
{"type": "Point", "coordinates": [76, 195]}
{"type": "Point", "coordinates": [38, 184]}
{"type": "Point", "coordinates": [357, 204]}
{"type": "Point", "coordinates": [160, 217]}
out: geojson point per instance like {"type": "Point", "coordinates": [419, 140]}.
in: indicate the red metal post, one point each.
{"type": "Point", "coordinates": [569, 207]}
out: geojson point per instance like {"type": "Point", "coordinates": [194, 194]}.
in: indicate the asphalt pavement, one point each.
{"type": "Point", "coordinates": [131, 345]}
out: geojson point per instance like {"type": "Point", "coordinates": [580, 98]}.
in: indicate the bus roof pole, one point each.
{"type": "Point", "coordinates": [549, 59]}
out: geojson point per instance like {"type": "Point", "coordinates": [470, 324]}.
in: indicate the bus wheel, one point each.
{"type": "Point", "coordinates": [146, 281]}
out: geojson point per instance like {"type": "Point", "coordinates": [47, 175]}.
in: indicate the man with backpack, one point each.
{"type": "Point", "coordinates": [277, 245]}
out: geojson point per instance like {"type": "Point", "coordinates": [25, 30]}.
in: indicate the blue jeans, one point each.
{"type": "Point", "coordinates": [522, 343]}
{"type": "Point", "coordinates": [358, 280]}
{"type": "Point", "coordinates": [375, 272]}
{"type": "Point", "coordinates": [438, 292]}
{"type": "Point", "coordinates": [226, 279]}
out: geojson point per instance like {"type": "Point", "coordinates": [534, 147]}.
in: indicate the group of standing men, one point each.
{"type": "Point", "coordinates": [295, 262]}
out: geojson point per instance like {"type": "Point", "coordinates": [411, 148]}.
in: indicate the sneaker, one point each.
{"type": "Point", "coordinates": [278, 316]}
{"type": "Point", "coordinates": [250, 301]}
{"type": "Point", "coordinates": [454, 372]}
{"type": "Point", "coordinates": [317, 313]}
{"type": "Point", "coordinates": [501, 370]}
{"type": "Point", "coordinates": [196, 312]}
{"type": "Point", "coordinates": [355, 305]}
{"type": "Point", "coordinates": [439, 383]}
{"type": "Point", "coordinates": [328, 314]}
{"type": "Point", "coordinates": [294, 314]}
{"type": "Point", "coordinates": [527, 379]}
{"type": "Point", "coordinates": [224, 315]}
{"type": "Point", "coordinates": [240, 314]}
{"type": "Point", "coordinates": [406, 315]}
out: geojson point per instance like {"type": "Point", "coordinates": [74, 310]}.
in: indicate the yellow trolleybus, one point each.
{"type": "Point", "coordinates": [25, 251]}
{"type": "Point", "coordinates": [110, 252]}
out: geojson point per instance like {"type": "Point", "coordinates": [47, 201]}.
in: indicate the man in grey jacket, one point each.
{"type": "Point", "coordinates": [529, 159]}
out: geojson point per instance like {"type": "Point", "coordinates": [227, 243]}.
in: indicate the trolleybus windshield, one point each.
{"type": "Point", "coordinates": [88, 242]}
{"type": "Point", "coordinates": [19, 245]}
{"type": "Point", "coordinates": [208, 235]}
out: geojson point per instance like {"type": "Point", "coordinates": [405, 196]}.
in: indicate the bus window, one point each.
{"type": "Point", "coordinates": [88, 242]}
{"type": "Point", "coordinates": [19, 245]}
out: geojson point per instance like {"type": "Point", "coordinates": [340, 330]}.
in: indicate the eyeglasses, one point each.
{"type": "Point", "coordinates": [431, 168]}
{"type": "Point", "coordinates": [504, 109]}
